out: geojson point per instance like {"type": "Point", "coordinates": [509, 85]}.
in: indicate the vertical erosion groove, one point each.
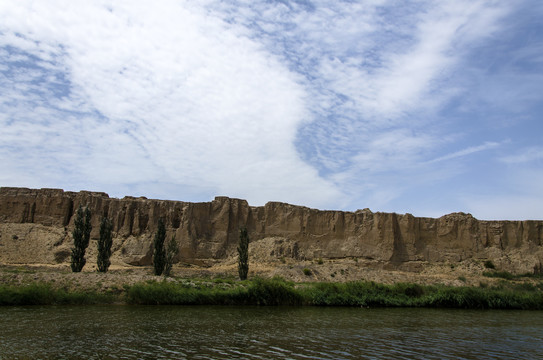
{"type": "Point", "coordinates": [399, 252]}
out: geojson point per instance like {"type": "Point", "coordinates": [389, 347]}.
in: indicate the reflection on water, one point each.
{"type": "Point", "coordinates": [206, 332]}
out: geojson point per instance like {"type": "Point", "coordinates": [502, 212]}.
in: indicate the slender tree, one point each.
{"type": "Point", "coordinates": [159, 253]}
{"type": "Point", "coordinates": [243, 252]}
{"type": "Point", "coordinates": [171, 252]}
{"type": "Point", "coordinates": [104, 244]}
{"type": "Point", "coordinates": [81, 235]}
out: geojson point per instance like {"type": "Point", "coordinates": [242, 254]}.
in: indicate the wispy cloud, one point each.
{"type": "Point", "coordinates": [467, 151]}
{"type": "Point", "coordinates": [170, 93]}
{"type": "Point", "coordinates": [322, 103]}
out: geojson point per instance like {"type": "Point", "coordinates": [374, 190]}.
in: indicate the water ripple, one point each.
{"type": "Point", "coordinates": [132, 332]}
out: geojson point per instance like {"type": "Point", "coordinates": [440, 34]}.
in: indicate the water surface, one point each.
{"type": "Point", "coordinates": [222, 332]}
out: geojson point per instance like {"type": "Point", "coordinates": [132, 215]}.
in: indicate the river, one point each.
{"type": "Point", "coordinates": [223, 332]}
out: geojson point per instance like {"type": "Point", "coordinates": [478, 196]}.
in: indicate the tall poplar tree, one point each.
{"type": "Point", "coordinates": [104, 244]}
{"type": "Point", "coordinates": [81, 235]}
{"type": "Point", "coordinates": [243, 252]}
{"type": "Point", "coordinates": [159, 252]}
{"type": "Point", "coordinates": [171, 253]}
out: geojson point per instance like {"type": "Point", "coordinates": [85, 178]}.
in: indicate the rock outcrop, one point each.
{"type": "Point", "coordinates": [36, 225]}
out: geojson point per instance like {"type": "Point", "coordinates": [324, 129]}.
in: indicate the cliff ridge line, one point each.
{"type": "Point", "coordinates": [36, 225]}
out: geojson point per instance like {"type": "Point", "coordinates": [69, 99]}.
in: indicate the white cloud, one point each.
{"type": "Point", "coordinates": [424, 48]}
{"type": "Point", "coordinates": [395, 149]}
{"type": "Point", "coordinates": [186, 97]}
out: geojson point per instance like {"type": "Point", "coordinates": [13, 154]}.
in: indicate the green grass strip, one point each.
{"type": "Point", "coordinates": [277, 291]}
{"type": "Point", "coordinates": [255, 292]}
{"type": "Point", "coordinates": [361, 294]}
{"type": "Point", "coordinates": [44, 294]}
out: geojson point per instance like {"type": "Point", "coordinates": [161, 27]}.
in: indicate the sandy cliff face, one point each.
{"type": "Point", "coordinates": [36, 225]}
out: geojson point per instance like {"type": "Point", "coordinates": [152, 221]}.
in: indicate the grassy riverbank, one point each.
{"type": "Point", "coordinates": [277, 291]}
{"type": "Point", "coordinates": [45, 294]}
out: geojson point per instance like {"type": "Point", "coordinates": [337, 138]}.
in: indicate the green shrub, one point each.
{"type": "Point", "coordinates": [160, 293]}
{"type": "Point", "coordinates": [489, 264]}
{"type": "Point", "coordinates": [499, 274]}
{"type": "Point", "coordinates": [525, 287]}
{"type": "Point", "coordinates": [275, 291]}
{"type": "Point", "coordinates": [307, 272]}
{"type": "Point", "coordinates": [531, 275]}
{"type": "Point", "coordinates": [411, 290]}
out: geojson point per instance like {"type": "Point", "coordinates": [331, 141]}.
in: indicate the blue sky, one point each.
{"type": "Point", "coordinates": [422, 107]}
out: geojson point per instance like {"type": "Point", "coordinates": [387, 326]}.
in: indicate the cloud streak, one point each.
{"type": "Point", "coordinates": [467, 151]}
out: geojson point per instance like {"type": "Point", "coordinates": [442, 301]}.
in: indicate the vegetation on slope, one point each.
{"type": "Point", "coordinates": [24, 289]}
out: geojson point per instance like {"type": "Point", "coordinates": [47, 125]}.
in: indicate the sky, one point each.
{"type": "Point", "coordinates": [421, 107]}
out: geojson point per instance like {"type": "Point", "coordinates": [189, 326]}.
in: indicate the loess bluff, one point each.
{"type": "Point", "coordinates": [36, 226]}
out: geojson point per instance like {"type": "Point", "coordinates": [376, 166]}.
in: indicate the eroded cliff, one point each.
{"type": "Point", "coordinates": [36, 225]}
